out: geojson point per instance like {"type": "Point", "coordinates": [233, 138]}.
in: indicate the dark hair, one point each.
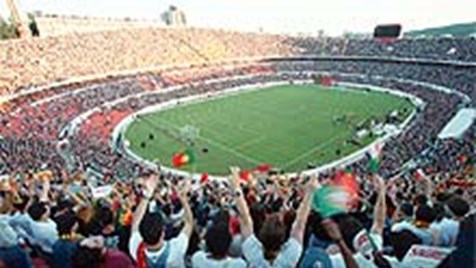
{"type": "Point", "coordinates": [406, 209]}
{"type": "Point", "coordinates": [420, 200]}
{"type": "Point", "coordinates": [257, 212]}
{"type": "Point", "coordinates": [64, 204]}
{"type": "Point", "coordinates": [458, 206]}
{"type": "Point", "coordinates": [105, 216]}
{"type": "Point", "coordinates": [151, 228]}
{"type": "Point", "coordinates": [288, 219]}
{"type": "Point", "coordinates": [65, 223]}
{"type": "Point", "coordinates": [349, 227]}
{"type": "Point", "coordinates": [439, 211]}
{"type": "Point", "coordinates": [272, 235]}
{"type": "Point", "coordinates": [85, 257]}
{"type": "Point", "coordinates": [222, 216]}
{"type": "Point", "coordinates": [402, 242]}
{"type": "Point", "coordinates": [442, 197]}
{"type": "Point", "coordinates": [23, 202]}
{"type": "Point", "coordinates": [425, 213]}
{"type": "Point", "coordinates": [218, 239]}
{"type": "Point", "coordinates": [37, 210]}
{"type": "Point", "coordinates": [317, 230]}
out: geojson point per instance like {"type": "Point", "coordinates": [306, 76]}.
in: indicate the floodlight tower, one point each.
{"type": "Point", "coordinates": [16, 19]}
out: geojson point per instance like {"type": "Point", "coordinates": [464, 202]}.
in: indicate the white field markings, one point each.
{"type": "Point", "coordinates": [220, 145]}
{"type": "Point", "coordinates": [305, 154]}
{"type": "Point", "coordinates": [250, 142]}
{"type": "Point", "coordinates": [225, 123]}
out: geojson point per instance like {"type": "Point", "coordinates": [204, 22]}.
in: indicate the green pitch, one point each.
{"type": "Point", "coordinates": [285, 126]}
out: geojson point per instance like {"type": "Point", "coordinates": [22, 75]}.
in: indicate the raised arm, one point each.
{"type": "Point", "coordinates": [380, 206]}
{"type": "Point", "coordinates": [45, 191]}
{"type": "Point", "coordinates": [188, 215]}
{"type": "Point", "coordinates": [150, 185]}
{"type": "Point", "coordinates": [334, 233]}
{"type": "Point", "coordinates": [299, 226]}
{"type": "Point", "coordinates": [246, 223]}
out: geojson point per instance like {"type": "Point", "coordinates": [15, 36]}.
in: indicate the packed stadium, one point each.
{"type": "Point", "coordinates": [131, 142]}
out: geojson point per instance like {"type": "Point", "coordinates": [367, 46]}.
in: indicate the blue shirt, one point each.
{"type": "Point", "coordinates": [15, 257]}
{"type": "Point", "coordinates": [62, 252]}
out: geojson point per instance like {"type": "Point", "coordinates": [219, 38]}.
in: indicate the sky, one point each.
{"type": "Point", "coordinates": [277, 16]}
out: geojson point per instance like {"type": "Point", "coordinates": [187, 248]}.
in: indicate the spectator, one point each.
{"type": "Point", "coordinates": [272, 249]}
{"type": "Point", "coordinates": [457, 208]}
{"type": "Point", "coordinates": [10, 252]}
{"type": "Point", "coordinates": [44, 229]}
{"type": "Point", "coordinates": [67, 243]}
{"type": "Point", "coordinates": [92, 253]}
{"type": "Point", "coordinates": [421, 225]}
{"type": "Point", "coordinates": [218, 240]}
{"type": "Point", "coordinates": [147, 245]}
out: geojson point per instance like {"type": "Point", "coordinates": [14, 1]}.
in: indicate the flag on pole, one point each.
{"type": "Point", "coordinates": [262, 168]}
{"type": "Point", "coordinates": [203, 178]}
{"type": "Point", "coordinates": [374, 164]}
{"type": "Point", "coordinates": [245, 175]}
{"type": "Point", "coordinates": [330, 200]}
{"type": "Point", "coordinates": [419, 175]}
{"type": "Point", "coordinates": [183, 158]}
{"type": "Point", "coordinates": [338, 196]}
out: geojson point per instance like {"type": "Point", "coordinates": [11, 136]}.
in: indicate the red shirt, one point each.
{"type": "Point", "coordinates": [117, 259]}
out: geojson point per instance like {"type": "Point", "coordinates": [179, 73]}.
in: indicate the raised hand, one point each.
{"type": "Point", "coordinates": [378, 182]}
{"type": "Point", "coordinates": [235, 177]}
{"type": "Point", "coordinates": [332, 229]}
{"type": "Point", "coordinates": [313, 183]}
{"type": "Point", "coordinates": [185, 187]}
{"type": "Point", "coordinates": [150, 184]}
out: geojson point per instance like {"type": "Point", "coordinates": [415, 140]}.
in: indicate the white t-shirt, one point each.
{"type": "Point", "coordinates": [200, 260]}
{"type": "Point", "coordinates": [178, 248]}
{"type": "Point", "coordinates": [449, 229]}
{"type": "Point", "coordinates": [288, 256]}
{"type": "Point", "coordinates": [45, 234]}
{"type": "Point", "coordinates": [337, 260]}
{"type": "Point", "coordinates": [425, 234]}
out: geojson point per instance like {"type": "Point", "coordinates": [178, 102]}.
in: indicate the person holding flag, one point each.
{"type": "Point", "coordinates": [272, 250]}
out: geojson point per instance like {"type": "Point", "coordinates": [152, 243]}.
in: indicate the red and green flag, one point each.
{"type": "Point", "coordinates": [204, 178]}
{"type": "Point", "coordinates": [374, 164]}
{"type": "Point", "coordinates": [183, 158]}
{"type": "Point", "coordinates": [262, 168]}
{"type": "Point", "coordinates": [245, 175]}
{"type": "Point", "coordinates": [338, 196]}
{"type": "Point", "coordinates": [330, 200]}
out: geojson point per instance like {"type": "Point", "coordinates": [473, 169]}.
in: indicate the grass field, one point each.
{"type": "Point", "coordinates": [285, 126]}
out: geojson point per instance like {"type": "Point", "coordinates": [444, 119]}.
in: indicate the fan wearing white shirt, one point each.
{"type": "Point", "coordinates": [272, 250]}
{"type": "Point", "coordinates": [43, 228]}
{"type": "Point", "coordinates": [218, 240]}
{"type": "Point", "coordinates": [147, 245]}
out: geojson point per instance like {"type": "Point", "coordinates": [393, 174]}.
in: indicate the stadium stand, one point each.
{"type": "Point", "coordinates": [69, 198]}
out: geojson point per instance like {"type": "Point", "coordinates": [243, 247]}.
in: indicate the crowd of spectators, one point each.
{"type": "Point", "coordinates": [33, 62]}
{"type": "Point", "coordinates": [162, 220]}
{"type": "Point", "coordinates": [70, 199]}
{"type": "Point", "coordinates": [455, 49]}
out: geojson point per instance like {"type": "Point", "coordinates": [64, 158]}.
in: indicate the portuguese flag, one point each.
{"type": "Point", "coordinates": [183, 158]}
{"type": "Point", "coordinates": [374, 164]}
{"type": "Point", "coordinates": [338, 196]}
